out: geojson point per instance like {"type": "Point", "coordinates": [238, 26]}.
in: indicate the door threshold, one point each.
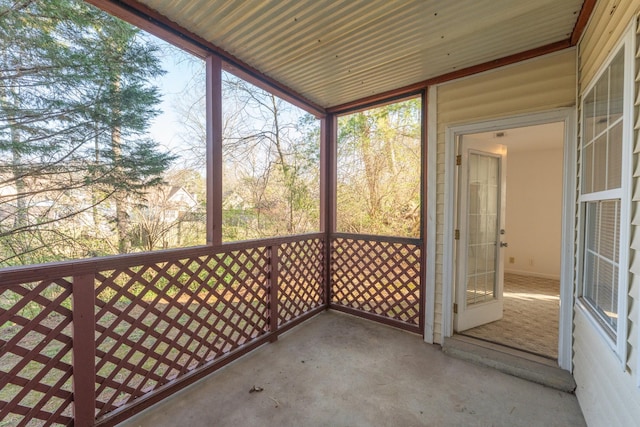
{"type": "Point", "coordinates": [499, 346]}
{"type": "Point", "coordinates": [514, 362]}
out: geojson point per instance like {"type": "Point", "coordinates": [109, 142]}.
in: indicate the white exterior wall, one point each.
{"type": "Point", "coordinates": [607, 395]}
{"type": "Point", "coordinates": [608, 389]}
{"type": "Point", "coordinates": [537, 85]}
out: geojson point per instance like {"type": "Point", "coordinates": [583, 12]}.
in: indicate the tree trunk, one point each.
{"type": "Point", "coordinates": [94, 190]}
{"type": "Point", "coordinates": [371, 172]}
{"type": "Point", "coordinates": [122, 218]}
{"type": "Point", "coordinates": [21, 217]}
{"type": "Point", "coordinates": [17, 170]}
{"type": "Point", "coordinates": [289, 178]}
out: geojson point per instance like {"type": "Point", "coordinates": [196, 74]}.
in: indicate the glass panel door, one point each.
{"type": "Point", "coordinates": [481, 196]}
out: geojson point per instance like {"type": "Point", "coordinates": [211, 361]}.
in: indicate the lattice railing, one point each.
{"type": "Point", "coordinates": [143, 323]}
{"type": "Point", "coordinates": [36, 353]}
{"type": "Point", "coordinates": [377, 276]}
{"type": "Point", "coordinates": [301, 270]}
{"type": "Point", "coordinates": [157, 322]}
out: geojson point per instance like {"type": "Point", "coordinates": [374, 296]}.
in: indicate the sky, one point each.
{"type": "Point", "coordinates": [181, 69]}
{"type": "Point", "coordinates": [185, 72]}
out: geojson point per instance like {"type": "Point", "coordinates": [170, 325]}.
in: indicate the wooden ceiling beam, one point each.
{"type": "Point", "coordinates": [583, 19]}
{"type": "Point", "coordinates": [465, 72]}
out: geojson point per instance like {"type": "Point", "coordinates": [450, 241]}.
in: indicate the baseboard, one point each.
{"type": "Point", "coordinates": [534, 274]}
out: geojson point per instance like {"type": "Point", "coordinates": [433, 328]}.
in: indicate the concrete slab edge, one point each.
{"type": "Point", "coordinates": [556, 378]}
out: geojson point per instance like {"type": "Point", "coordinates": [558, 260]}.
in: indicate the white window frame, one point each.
{"type": "Point", "coordinates": [617, 343]}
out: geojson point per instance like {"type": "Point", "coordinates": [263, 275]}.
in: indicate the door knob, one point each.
{"type": "Point", "coordinates": [503, 244]}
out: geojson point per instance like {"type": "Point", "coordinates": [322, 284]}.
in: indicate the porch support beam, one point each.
{"type": "Point", "coordinates": [465, 72]}
{"type": "Point", "coordinates": [154, 23]}
{"type": "Point", "coordinates": [583, 18]}
{"type": "Point", "coordinates": [214, 150]}
{"type": "Point", "coordinates": [328, 150]}
{"type": "Point", "coordinates": [424, 173]}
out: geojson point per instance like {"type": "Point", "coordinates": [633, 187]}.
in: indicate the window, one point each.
{"type": "Point", "coordinates": [378, 170]}
{"type": "Point", "coordinates": [271, 170]}
{"type": "Point", "coordinates": [100, 130]}
{"type": "Point", "coordinates": [604, 197]}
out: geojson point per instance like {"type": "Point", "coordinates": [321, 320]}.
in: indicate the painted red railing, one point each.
{"type": "Point", "coordinates": [92, 342]}
{"type": "Point", "coordinates": [95, 341]}
{"type": "Point", "coordinates": [379, 278]}
{"type": "Point", "coordinates": [301, 270]}
{"type": "Point", "coordinates": [36, 352]}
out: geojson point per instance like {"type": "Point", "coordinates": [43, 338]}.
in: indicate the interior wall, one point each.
{"type": "Point", "coordinates": [534, 213]}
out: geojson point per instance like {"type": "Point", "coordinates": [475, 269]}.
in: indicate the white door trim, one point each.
{"type": "Point", "coordinates": [566, 115]}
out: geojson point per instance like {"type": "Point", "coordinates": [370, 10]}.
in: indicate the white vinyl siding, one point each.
{"type": "Point", "coordinates": [607, 380]}
{"type": "Point", "coordinates": [606, 26]}
{"type": "Point", "coordinates": [536, 85]}
{"type": "Point", "coordinates": [607, 396]}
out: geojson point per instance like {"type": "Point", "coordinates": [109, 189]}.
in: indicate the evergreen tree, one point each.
{"type": "Point", "coordinates": [127, 162]}
{"type": "Point", "coordinates": [75, 106]}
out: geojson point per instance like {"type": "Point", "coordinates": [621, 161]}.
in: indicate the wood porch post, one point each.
{"type": "Point", "coordinates": [328, 135]}
{"type": "Point", "coordinates": [214, 150]}
{"type": "Point", "coordinates": [84, 350]}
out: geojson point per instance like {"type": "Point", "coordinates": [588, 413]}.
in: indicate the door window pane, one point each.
{"type": "Point", "coordinates": [482, 222]}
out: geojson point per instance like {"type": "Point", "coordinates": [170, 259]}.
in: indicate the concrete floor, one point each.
{"type": "Point", "coordinates": [338, 370]}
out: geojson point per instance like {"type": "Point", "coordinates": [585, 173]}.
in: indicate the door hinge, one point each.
{"type": "Point", "coordinates": [456, 234]}
{"type": "Point", "coordinates": [458, 159]}
{"type": "Point", "coordinates": [455, 308]}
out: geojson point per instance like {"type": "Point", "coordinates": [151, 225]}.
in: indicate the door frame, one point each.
{"type": "Point", "coordinates": [568, 117]}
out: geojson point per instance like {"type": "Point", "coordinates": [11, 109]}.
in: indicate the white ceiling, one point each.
{"type": "Point", "coordinates": [531, 138]}
{"type": "Point", "coordinates": [337, 51]}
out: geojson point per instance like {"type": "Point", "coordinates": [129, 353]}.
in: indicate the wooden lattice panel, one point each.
{"type": "Point", "coordinates": [35, 354]}
{"type": "Point", "coordinates": [377, 277]}
{"type": "Point", "coordinates": [155, 323]}
{"type": "Point", "coordinates": [300, 278]}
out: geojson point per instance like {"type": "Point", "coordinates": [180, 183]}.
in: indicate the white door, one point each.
{"type": "Point", "coordinates": [480, 233]}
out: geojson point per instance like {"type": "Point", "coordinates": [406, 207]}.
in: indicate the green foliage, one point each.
{"type": "Point", "coordinates": [271, 175]}
{"type": "Point", "coordinates": [80, 175]}
{"type": "Point", "coordinates": [76, 102]}
{"type": "Point", "coordinates": [378, 183]}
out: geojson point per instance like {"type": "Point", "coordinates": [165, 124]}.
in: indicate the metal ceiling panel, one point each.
{"type": "Point", "coordinates": [337, 51]}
